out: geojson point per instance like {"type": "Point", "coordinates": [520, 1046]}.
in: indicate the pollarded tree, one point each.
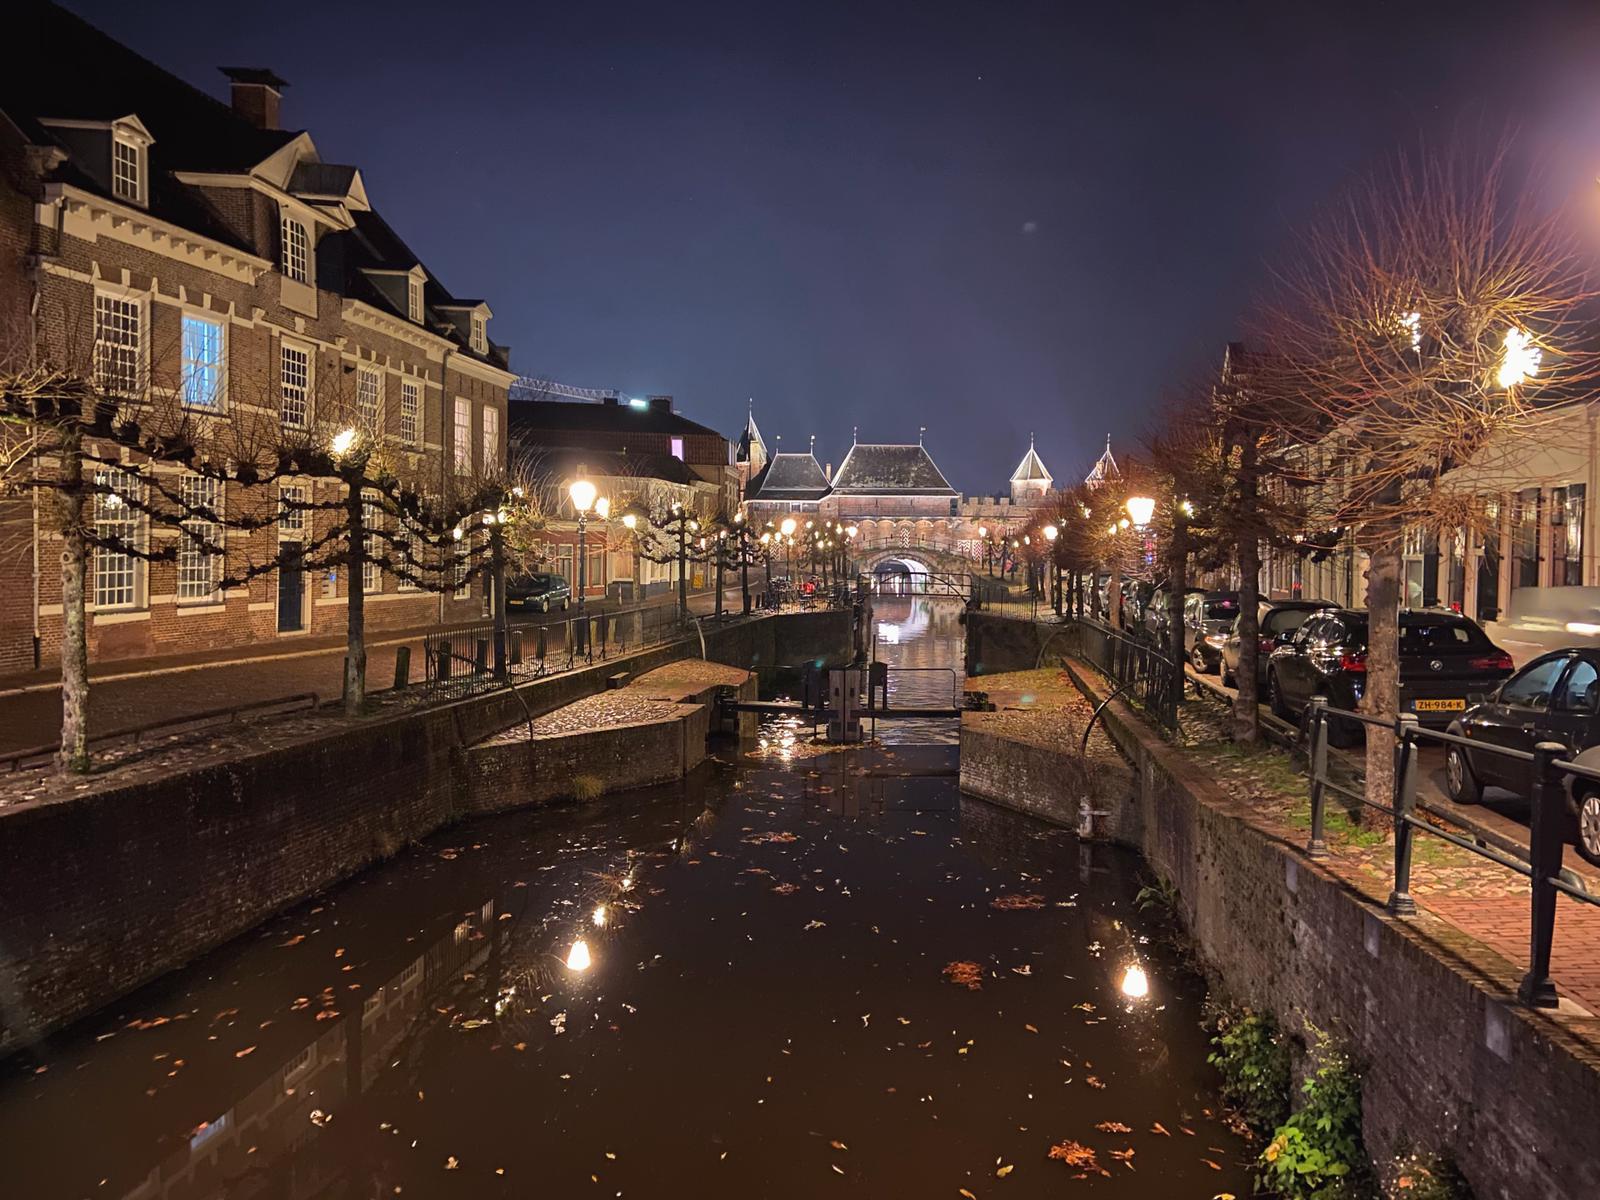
{"type": "Point", "coordinates": [1428, 314]}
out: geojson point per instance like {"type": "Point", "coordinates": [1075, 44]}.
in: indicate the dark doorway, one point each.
{"type": "Point", "coordinates": [291, 595]}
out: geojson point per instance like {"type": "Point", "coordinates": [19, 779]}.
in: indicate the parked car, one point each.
{"type": "Point", "coordinates": [538, 590]}
{"type": "Point", "coordinates": [1207, 617]}
{"type": "Point", "coordinates": [1276, 620]}
{"type": "Point", "coordinates": [1155, 614]}
{"type": "Point", "coordinates": [1555, 698]}
{"type": "Point", "coordinates": [1444, 658]}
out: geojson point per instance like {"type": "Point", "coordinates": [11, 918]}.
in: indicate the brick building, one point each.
{"type": "Point", "coordinates": [172, 243]}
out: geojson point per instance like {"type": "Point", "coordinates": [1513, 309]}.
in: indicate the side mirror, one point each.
{"type": "Point", "coordinates": [1475, 698]}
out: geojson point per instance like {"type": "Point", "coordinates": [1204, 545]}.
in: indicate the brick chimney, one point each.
{"type": "Point", "coordinates": [257, 92]}
{"type": "Point", "coordinates": [660, 403]}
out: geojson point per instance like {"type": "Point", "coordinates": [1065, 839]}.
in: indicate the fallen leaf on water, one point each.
{"type": "Point", "coordinates": [1158, 1127]}
{"type": "Point", "coordinates": [1031, 1029]}
{"type": "Point", "coordinates": [1212, 1165]}
{"type": "Point", "coordinates": [451, 1163]}
{"type": "Point", "coordinates": [246, 1050]}
{"type": "Point", "coordinates": [1025, 969]}
{"type": "Point", "coordinates": [1124, 1156]}
{"type": "Point", "coordinates": [295, 940]}
{"type": "Point", "coordinates": [1077, 1156]}
{"type": "Point", "coordinates": [816, 924]}
{"type": "Point", "coordinates": [1004, 1171]}
{"type": "Point", "coordinates": [786, 889]}
{"type": "Point", "coordinates": [1016, 900]}
{"type": "Point", "coordinates": [967, 1194]}
{"type": "Point", "coordinates": [965, 974]}
{"type": "Point", "coordinates": [838, 1145]}
{"type": "Point", "coordinates": [1113, 1127]}
{"type": "Point", "coordinates": [1093, 1081]}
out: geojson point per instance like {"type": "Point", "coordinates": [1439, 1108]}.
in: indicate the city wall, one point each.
{"type": "Point", "coordinates": [1452, 1061]}
{"type": "Point", "coordinates": [111, 889]}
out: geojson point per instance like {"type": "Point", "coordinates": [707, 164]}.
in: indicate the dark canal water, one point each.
{"type": "Point", "coordinates": [740, 987]}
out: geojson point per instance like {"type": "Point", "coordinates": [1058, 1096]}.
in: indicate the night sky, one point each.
{"type": "Point", "coordinates": [985, 218]}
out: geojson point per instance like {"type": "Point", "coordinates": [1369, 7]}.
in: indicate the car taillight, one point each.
{"type": "Point", "coordinates": [1492, 662]}
{"type": "Point", "coordinates": [1353, 662]}
{"type": "Point", "coordinates": [1267, 645]}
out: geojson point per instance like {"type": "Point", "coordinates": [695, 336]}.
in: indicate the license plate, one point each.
{"type": "Point", "coordinates": [1439, 705]}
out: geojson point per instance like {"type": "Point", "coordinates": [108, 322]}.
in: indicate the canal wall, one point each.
{"type": "Point", "coordinates": [107, 890]}
{"type": "Point", "coordinates": [997, 643]}
{"type": "Point", "coordinates": [1452, 1062]}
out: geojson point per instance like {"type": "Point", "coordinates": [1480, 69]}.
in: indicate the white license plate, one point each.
{"type": "Point", "coordinates": [1439, 705]}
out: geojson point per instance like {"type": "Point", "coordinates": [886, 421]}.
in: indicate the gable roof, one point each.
{"type": "Point", "coordinates": [789, 477]}
{"type": "Point", "coordinates": [1031, 469]}
{"type": "Point", "coordinates": [577, 416]}
{"type": "Point", "coordinates": [890, 470]}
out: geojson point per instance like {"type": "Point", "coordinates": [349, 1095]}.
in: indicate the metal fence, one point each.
{"type": "Point", "coordinates": [1134, 666]}
{"type": "Point", "coordinates": [462, 659]}
{"type": "Point", "coordinates": [1548, 776]}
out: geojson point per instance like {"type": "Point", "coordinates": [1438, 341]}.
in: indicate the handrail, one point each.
{"type": "Point", "coordinates": [1546, 837]}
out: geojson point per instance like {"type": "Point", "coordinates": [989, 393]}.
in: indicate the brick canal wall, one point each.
{"type": "Point", "coordinates": [1452, 1061]}
{"type": "Point", "coordinates": [112, 888]}
{"type": "Point", "coordinates": [997, 643]}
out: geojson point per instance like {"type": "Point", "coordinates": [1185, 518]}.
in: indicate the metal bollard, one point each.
{"type": "Point", "coordinates": [543, 647]}
{"type": "Point", "coordinates": [516, 648]}
{"type": "Point", "coordinates": [480, 656]}
{"type": "Point", "coordinates": [1405, 802]}
{"type": "Point", "coordinates": [442, 657]}
{"type": "Point", "coordinates": [402, 666]}
{"type": "Point", "coordinates": [1317, 847]}
{"type": "Point", "coordinates": [1546, 845]}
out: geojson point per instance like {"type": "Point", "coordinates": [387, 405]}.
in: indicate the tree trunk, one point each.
{"type": "Point", "coordinates": [355, 654]}
{"type": "Point", "coordinates": [1177, 590]}
{"type": "Point", "coordinates": [719, 582]}
{"type": "Point", "coordinates": [1382, 696]}
{"type": "Point", "coordinates": [1114, 593]}
{"type": "Point", "coordinates": [683, 567]}
{"type": "Point", "coordinates": [1247, 704]}
{"type": "Point", "coordinates": [497, 580]}
{"type": "Point", "coordinates": [74, 752]}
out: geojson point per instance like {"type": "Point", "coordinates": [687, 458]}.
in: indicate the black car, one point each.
{"type": "Point", "coordinates": [539, 591]}
{"type": "Point", "coordinates": [1276, 620]}
{"type": "Point", "coordinates": [1555, 698]}
{"type": "Point", "coordinates": [1155, 613]}
{"type": "Point", "coordinates": [1444, 658]}
{"type": "Point", "coordinates": [1207, 617]}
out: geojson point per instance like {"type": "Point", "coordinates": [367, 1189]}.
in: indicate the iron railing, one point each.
{"type": "Point", "coordinates": [1135, 666]}
{"type": "Point", "coordinates": [1548, 776]}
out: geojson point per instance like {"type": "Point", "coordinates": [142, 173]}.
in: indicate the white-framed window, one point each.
{"type": "Point", "coordinates": [369, 397]}
{"type": "Point", "coordinates": [118, 344]}
{"type": "Point", "coordinates": [410, 411]}
{"type": "Point", "coordinates": [463, 588]}
{"type": "Point", "coordinates": [204, 365]}
{"type": "Point", "coordinates": [291, 516]}
{"type": "Point", "coordinates": [294, 379]}
{"type": "Point", "coordinates": [127, 169]}
{"type": "Point", "coordinates": [480, 333]}
{"type": "Point", "coordinates": [371, 547]}
{"type": "Point", "coordinates": [405, 552]}
{"type": "Point", "coordinates": [300, 1063]}
{"type": "Point", "coordinates": [199, 570]}
{"type": "Point", "coordinates": [414, 299]}
{"type": "Point", "coordinates": [462, 446]}
{"type": "Point", "coordinates": [296, 245]}
{"type": "Point", "coordinates": [491, 439]}
{"type": "Point", "coordinates": [117, 574]}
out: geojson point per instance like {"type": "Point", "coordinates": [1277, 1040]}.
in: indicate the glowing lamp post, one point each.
{"type": "Point", "coordinates": [585, 499]}
{"type": "Point", "coordinates": [1050, 535]}
{"type": "Point", "coordinates": [1141, 509]}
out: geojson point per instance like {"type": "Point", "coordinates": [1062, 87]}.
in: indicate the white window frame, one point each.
{"type": "Point", "coordinates": [294, 251]}
{"type": "Point", "coordinates": [369, 397]}
{"type": "Point", "coordinates": [677, 448]}
{"type": "Point", "coordinates": [411, 411]}
{"type": "Point", "coordinates": [463, 590]}
{"type": "Point", "coordinates": [461, 443]}
{"type": "Point", "coordinates": [414, 298]}
{"type": "Point", "coordinates": [194, 384]}
{"type": "Point", "coordinates": [371, 572]}
{"type": "Point", "coordinates": [119, 578]}
{"type": "Point", "coordinates": [480, 333]}
{"type": "Point", "coordinates": [491, 439]}
{"type": "Point", "coordinates": [405, 548]}
{"type": "Point", "coordinates": [294, 399]}
{"type": "Point", "coordinates": [129, 168]}
{"type": "Point", "coordinates": [199, 571]}
{"type": "Point", "coordinates": [119, 343]}
{"type": "Point", "coordinates": [292, 522]}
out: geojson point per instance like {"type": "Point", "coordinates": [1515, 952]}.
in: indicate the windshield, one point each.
{"type": "Point", "coordinates": [1430, 637]}
{"type": "Point", "coordinates": [1285, 620]}
{"type": "Point", "coordinates": [1221, 610]}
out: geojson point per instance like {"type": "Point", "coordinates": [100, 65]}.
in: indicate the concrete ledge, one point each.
{"type": "Point", "coordinates": [1452, 1061]}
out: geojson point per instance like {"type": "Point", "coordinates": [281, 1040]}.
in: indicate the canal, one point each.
{"type": "Point", "coordinates": [798, 974]}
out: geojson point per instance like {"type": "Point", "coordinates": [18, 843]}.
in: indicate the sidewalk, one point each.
{"type": "Point", "coordinates": [128, 693]}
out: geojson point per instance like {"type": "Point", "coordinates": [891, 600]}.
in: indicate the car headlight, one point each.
{"type": "Point", "coordinates": [1216, 639]}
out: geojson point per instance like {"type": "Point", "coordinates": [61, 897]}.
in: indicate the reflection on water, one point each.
{"type": "Point", "coordinates": [921, 638]}
{"type": "Point", "coordinates": [772, 981]}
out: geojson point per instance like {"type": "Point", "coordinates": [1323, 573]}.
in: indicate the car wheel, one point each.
{"type": "Point", "coordinates": [1227, 677]}
{"type": "Point", "coordinates": [1589, 828]}
{"type": "Point", "coordinates": [544, 606]}
{"type": "Point", "coordinates": [1460, 783]}
{"type": "Point", "coordinates": [1197, 660]}
{"type": "Point", "coordinates": [566, 602]}
{"type": "Point", "coordinates": [1275, 700]}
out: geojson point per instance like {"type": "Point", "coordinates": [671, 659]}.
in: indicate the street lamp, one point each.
{"type": "Point", "coordinates": [1141, 509]}
{"type": "Point", "coordinates": [586, 499]}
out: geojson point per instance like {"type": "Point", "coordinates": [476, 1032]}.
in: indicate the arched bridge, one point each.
{"type": "Point", "coordinates": [917, 558]}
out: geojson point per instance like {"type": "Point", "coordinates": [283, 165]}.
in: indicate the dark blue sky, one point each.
{"type": "Point", "coordinates": [985, 218]}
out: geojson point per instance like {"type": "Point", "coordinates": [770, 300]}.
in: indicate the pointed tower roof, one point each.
{"type": "Point", "coordinates": [751, 449]}
{"type": "Point", "coordinates": [1031, 469]}
{"type": "Point", "coordinates": [1104, 469]}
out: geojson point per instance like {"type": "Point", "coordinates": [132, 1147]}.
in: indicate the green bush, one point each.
{"type": "Point", "coordinates": [1250, 1054]}
{"type": "Point", "coordinates": [587, 787]}
{"type": "Point", "coordinates": [1317, 1154]}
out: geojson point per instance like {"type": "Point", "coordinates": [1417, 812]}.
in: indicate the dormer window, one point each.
{"type": "Point", "coordinates": [127, 169]}
{"type": "Point", "coordinates": [296, 250]}
{"type": "Point", "coordinates": [480, 333]}
{"type": "Point", "coordinates": [414, 299]}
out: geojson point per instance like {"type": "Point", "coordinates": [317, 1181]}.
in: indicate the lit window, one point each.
{"type": "Point", "coordinates": [371, 548]}
{"type": "Point", "coordinates": [291, 509]}
{"type": "Point", "coordinates": [127, 170]}
{"type": "Point", "coordinates": [405, 553]}
{"type": "Point", "coordinates": [480, 334]}
{"type": "Point", "coordinates": [296, 250]}
{"type": "Point", "coordinates": [463, 439]}
{"type": "Point", "coordinates": [295, 379]}
{"type": "Point", "coordinates": [369, 398]}
{"type": "Point", "coordinates": [410, 411]}
{"type": "Point", "coordinates": [118, 344]}
{"type": "Point", "coordinates": [463, 586]}
{"type": "Point", "coordinates": [414, 298]}
{"type": "Point", "coordinates": [116, 573]}
{"type": "Point", "coordinates": [491, 439]}
{"type": "Point", "coordinates": [677, 449]}
{"type": "Point", "coordinates": [198, 568]}
{"type": "Point", "coordinates": [202, 362]}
